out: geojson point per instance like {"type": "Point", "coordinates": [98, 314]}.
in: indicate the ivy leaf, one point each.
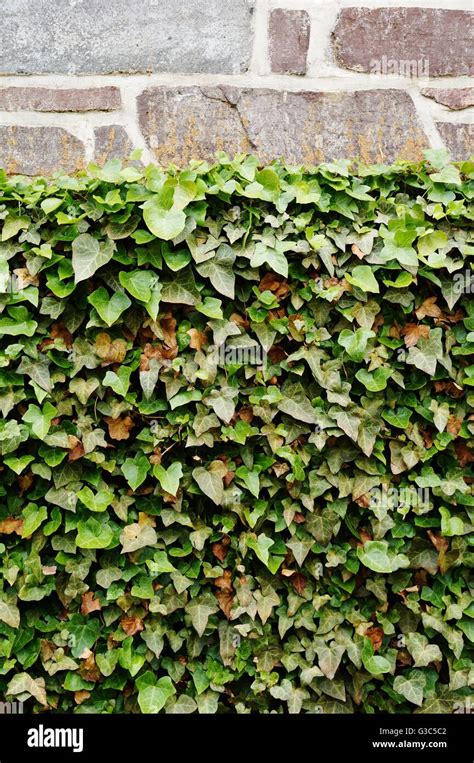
{"type": "Point", "coordinates": [355, 342]}
{"type": "Point", "coordinates": [22, 683]}
{"type": "Point", "coordinates": [422, 652]}
{"type": "Point", "coordinates": [261, 546]}
{"type": "Point", "coordinates": [135, 470]}
{"type": "Point", "coordinates": [329, 658]}
{"type": "Point", "coordinates": [91, 533]}
{"type": "Point", "coordinates": [83, 388]}
{"type": "Point", "coordinates": [34, 517]}
{"type": "Point", "coordinates": [362, 276]}
{"type": "Point", "coordinates": [153, 638]}
{"type": "Point", "coordinates": [427, 352]}
{"type": "Point", "coordinates": [119, 381]}
{"type": "Point", "coordinates": [18, 464]}
{"type": "Point", "coordinates": [9, 612]}
{"type": "Point", "coordinates": [411, 688]}
{"type": "Point", "coordinates": [181, 289]}
{"type": "Point", "coordinates": [137, 536]}
{"type": "Point", "coordinates": [250, 479]}
{"type": "Point", "coordinates": [11, 435]}
{"type": "Point", "coordinates": [449, 174]}
{"type": "Point", "coordinates": [375, 381]}
{"type": "Point", "coordinates": [109, 308]}
{"type": "Point", "coordinates": [222, 402]}
{"type": "Point", "coordinates": [169, 478]}
{"type": "Point", "coordinates": [139, 283]}
{"type": "Point", "coordinates": [300, 549]}
{"type": "Point", "coordinates": [219, 270]}
{"type": "Point", "coordinates": [450, 526]}
{"type": "Point", "coordinates": [431, 242]}
{"type": "Point", "coordinates": [210, 480]}
{"type": "Point", "coordinates": [211, 307]}
{"type": "Point", "coordinates": [12, 224]}
{"type": "Point", "coordinates": [199, 612]}
{"type": "Point", "coordinates": [89, 254]}
{"type": "Point", "coordinates": [294, 697]}
{"type": "Point", "coordinates": [176, 260]}
{"type": "Point", "coordinates": [296, 405]}
{"type": "Point", "coordinates": [12, 326]}
{"type": "Point", "coordinates": [349, 423]}
{"type": "Point", "coordinates": [83, 633]}
{"type": "Point", "coordinates": [163, 223]}
{"type": "Point", "coordinates": [273, 257]}
{"type": "Point", "coordinates": [375, 664]}
{"type": "Point", "coordinates": [322, 525]}
{"type": "Point", "coordinates": [38, 371]}
{"type": "Point", "coordinates": [377, 556]}
{"type": "Point", "coordinates": [98, 501]}
{"type": "Point", "coordinates": [398, 417]}
{"type": "Point", "coordinates": [153, 698]}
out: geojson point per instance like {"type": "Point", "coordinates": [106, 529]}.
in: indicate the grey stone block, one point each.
{"type": "Point", "coordinates": [103, 36]}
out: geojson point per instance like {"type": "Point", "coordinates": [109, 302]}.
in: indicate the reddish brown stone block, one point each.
{"type": "Point", "coordinates": [186, 123]}
{"type": "Point", "coordinates": [453, 98]}
{"type": "Point", "coordinates": [459, 139]}
{"type": "Point", "coordinates": [288, 41]}
{"type": "Point", "coordinates": [437, 41]}
{"type": "Point", "coordinates": [52, 99]}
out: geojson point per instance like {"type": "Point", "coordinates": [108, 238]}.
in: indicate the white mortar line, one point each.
{"type": "Point", "coordinates": [259, 63]}
{"type": "Point", "coordinates": [442, 113]}
{"type": "Point", "coordinates": [321, 59]}
{"type": "Point", "coordinates": [426, 120]}
{"type": "Point", "coordinates": [331, 79]}
{"type": "Point", "coordinates": [130, 94]}
{"type": "Point", "coordinates": [75, 123]}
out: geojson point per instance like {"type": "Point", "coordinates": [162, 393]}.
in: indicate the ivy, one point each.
{"type": "Point", "coordinates": [236, 459]}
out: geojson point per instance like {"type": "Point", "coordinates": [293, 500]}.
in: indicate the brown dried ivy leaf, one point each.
{"type": "Point", "coordinates": [120, 428]}
{"type": "Point", "coordinates": [111, 351]}
{"type": "Point", "coordinates": [89, 603]}
{"type": "Point", "coordinates": [131, 625]}
{"type": "Point", "coordinates": [413, 331]}
{"type": "Point", "coordinates": [429, 309]}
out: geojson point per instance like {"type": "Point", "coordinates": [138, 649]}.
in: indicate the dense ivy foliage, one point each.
{"type": "Point", "coordinates": [236, 446]}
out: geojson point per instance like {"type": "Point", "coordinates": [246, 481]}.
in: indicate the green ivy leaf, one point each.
{"type": "Point", "coordinates": [109, 308]}
{"type": "Point", "coordinates": [377, 556]}
{"type": "Point", "coordinates": [89, 254]}
{"type": "Point", "coordinates": [163, 223]}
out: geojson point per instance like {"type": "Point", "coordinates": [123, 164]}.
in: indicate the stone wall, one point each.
{"type": "Point", "coordinates": [310, 80]}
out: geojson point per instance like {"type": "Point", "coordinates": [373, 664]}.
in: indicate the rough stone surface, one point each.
{"type": "Point", "coordinates": [193, 123]}
{"type": "Point", "coordinates": [39, 150]}
{"type": "Point", "coordinates": [111, 142]}
{"type": "Point", "coordinates": [363, 36]}
{"type": "Point", "coordinates": [288, 41]}
{"type": "Point", "coordinates": [459, 139]}
{"type": "Point", "coordinates": [101, 36]}
{"type": "Point", "coordinates": [454, 98]}
{"type": "Point", "coordinates": [50, 99]}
